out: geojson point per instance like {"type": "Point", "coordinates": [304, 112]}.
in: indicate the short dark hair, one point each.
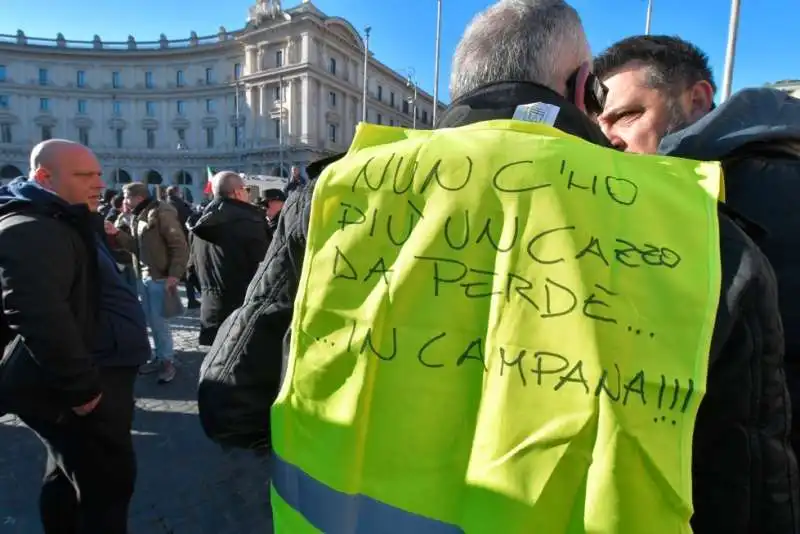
{"type": "Point", "coordinates": [674, 64]}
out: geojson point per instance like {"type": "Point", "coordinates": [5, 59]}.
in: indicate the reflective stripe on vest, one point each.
{"type": "Point", "coordinates": [335, 512]}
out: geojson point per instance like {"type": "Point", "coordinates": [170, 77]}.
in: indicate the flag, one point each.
{"type": "Point", "coordinates": [210, 173]}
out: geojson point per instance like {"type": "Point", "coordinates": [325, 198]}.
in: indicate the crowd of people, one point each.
{"type": "Point", "coordinates": [79, 290]}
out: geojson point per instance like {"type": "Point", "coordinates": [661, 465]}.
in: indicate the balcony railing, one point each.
{"type": "Point", "coordinates": [131, 44]}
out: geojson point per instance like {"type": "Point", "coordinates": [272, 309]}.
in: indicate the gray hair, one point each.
{"type": "Point", "coordinates": [225, 183]}
{"type": "Point", "coordinates": [540, 41]}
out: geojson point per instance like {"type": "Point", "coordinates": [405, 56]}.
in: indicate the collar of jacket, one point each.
{"type": "Point", "coordinates": [143, 205]}
{"type": "Point", "coordinates": [500, 100]}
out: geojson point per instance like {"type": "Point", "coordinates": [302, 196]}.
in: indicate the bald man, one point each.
{"type": "Point", "coordinates": [226, 245]}
{"type": "Point", "coordinates": [73, 334]}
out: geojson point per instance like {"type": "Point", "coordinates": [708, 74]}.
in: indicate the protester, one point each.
{"type": "Point", "coordinates": [83, 327]}
{"type": "Point", "coordinates": [296, 180]}
{"type": "Point", "coordinates": [661, 99]}
{"type": "Point", "coordinates": [227, 244]}
{"type": "Point", "coordinates": [174, 197]}
{"type": "Point", "coordinates": [272, 202]}
{"type": "Point", "coordinates": [160, 252]}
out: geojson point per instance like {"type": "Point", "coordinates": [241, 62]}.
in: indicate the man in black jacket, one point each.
{"type": "Point", "coordinates": [662, 99]}
{"type": "Point", "coordinates": [544, 68]}
{"type": "Point", "coordinates": [226, 245]}
{"type": "Point", "coordinates": [78, 334]}
{"type": "Point", "coordinates": [175, 199]}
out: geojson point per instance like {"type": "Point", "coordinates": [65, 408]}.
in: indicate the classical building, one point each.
{"type": "Point", "coordinates": [790, 86]}
{"type": "Point", "coordinates": [284, 90]}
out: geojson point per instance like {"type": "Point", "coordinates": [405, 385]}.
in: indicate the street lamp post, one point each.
{"type": "Point", "coordinates": [436, 60]}
{"type": "Point", "coordinates": [412, 82]}
{"type": "Point", "coordinates": [730, 54]}
{"type": "Point", "coordinates": [367, 30]}
{"type": "Point", "coordinates": [649, 18]}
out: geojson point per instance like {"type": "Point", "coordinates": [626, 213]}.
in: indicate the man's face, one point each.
{"type": "Point", "coordinates": [295, 173]}
{"type": "Point", "coordinates": [636, 116]}
{"type": "Point", "coordinates": [129, 202]}
{"type": "Point", "coordinates": [75, 176]}
{"type": "Point", "coordinates": [273, 208]}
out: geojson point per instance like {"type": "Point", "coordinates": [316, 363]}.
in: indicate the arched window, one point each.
{"type": "Point", "coordinates": [120, 176]}
{"type": "Point", "coordinates": [9, 172]}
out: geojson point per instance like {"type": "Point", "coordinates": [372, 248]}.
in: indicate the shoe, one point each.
{"type": "Point", "coordinates": [150, 367]}
{"type": "Point", "coordinates": [167, 373]}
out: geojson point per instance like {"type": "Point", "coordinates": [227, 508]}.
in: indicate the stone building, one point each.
{"type": "Point", "coordinates": [284, 90]}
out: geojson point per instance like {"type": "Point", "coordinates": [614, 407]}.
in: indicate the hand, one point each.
{"type": "Point", "coordinates": [89, 407]}
{"type": "Point", "coordinates": [172, 283]}
{"type": "Point", "coordinates": [110, 228]}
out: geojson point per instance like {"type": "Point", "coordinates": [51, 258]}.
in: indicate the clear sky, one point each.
{"type": "Point", "coordinates": [403, 31]}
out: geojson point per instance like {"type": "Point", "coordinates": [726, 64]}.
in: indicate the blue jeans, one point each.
{"type": "Point", "coordinates": [152, 293]}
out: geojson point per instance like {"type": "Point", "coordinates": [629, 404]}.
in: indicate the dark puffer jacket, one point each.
{"type": "Point", "coordinates": [745, 475]}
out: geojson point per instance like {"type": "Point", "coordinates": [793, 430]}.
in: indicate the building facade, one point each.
{"type": "Point", "coordinates": [790, 86]}
{"type": "Point", "coordinates": [285, 90]}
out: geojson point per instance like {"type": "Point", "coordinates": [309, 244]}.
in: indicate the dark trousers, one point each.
{"type": "Point", "coordinates": [91, 457]}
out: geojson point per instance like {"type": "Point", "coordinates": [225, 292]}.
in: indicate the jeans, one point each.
{"type": "Point", "coordinates": [152, 293]}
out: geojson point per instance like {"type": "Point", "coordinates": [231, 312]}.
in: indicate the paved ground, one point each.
{"type": "Point", "coordinates": [187, 485]}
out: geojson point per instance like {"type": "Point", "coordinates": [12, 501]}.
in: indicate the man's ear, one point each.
{"type": "Point", "coordinates": [701, 100]}
{"type": "Point", "coordinates": [579, 96]}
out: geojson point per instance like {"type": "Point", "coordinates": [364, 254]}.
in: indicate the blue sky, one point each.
{"type": "Point", "coordinates": [403, 30]}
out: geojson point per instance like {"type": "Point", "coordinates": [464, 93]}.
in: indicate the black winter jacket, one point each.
{"type": "Point", "coordinates": [744, 471]}
{"type": "Point", "coordinates": [50, 298]}
{"type": "Point", "coordinates": [226, 245]}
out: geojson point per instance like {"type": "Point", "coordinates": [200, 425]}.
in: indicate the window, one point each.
{"type": "Point", "coordinates": [425, 116]}
{"type": "Point", "coordinates": [209, 75]}
{"type": "Point", "coordinates": [47, 133]}
{"type": "Point", "coordinates": [391, 99]}
{"type": "Point", "coordinates": [117, 105]}
{"type": "Point", "coordinates": [279, 58]}
{"type": "Point", "coordinates": [83, 136]}
{"type": "Point", "coordinates": [2, 73]}
{"type": "Point", "coordinates": [181, 134]}
{"type": "Point", "coordinates": [237, 71]}
{"type": "Point", "coordinates": [5, 133]}
{"type": "Point", "coordinates": [115, 83]}
{"type": "Point", "coordinates": [43, 77]}
{"type": "Point", "coordinates": [179, 78]}
{"type": "Point", "coordinates": [332, 66]}
{"type": "Point", "coordinates": [80, 78]}
{"type": "Point", "coordinates": [405, 106]}
{"type": "Point", "coordinates": [209, 105]}
{"type": "Point", "coordinates": [391, 122]}
{"type": "Point", "coordinates": [181, 105]}
{"type": "Point", "coordinates": [3, 101]}
{"type": "Point", "coordinates": [82, 107]}
{"type": "Point", "coordinates": [277, 125]}
{"type": "Point", "coordinates": [209, 137]}
{"type": "Point", "coordinates": [380, 119]}
{"type": "Point", "coordinates": [332, 99]}
{"type": "Point", "coordinates": [44, 104]}
{"type": "Point", "coordinates": [148, 80]}
{"type": "Point", "coordinates": [380, 93]}
{"type": "Point", "coordinates": [332, 133]}
{"type": "Point", "coordinates": [118, 136]}
{"type": "Point", "coordinates": [150, 109]}
{"type": "Point", "coordinates": [151, 138]}
{"type": "Point", "coordinates": [276, 93]}
{"type": "Point", "coordinates": [236, 136]}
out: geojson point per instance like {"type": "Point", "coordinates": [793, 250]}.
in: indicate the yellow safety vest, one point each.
{"type": "Point", "coordinates": [500, 328]}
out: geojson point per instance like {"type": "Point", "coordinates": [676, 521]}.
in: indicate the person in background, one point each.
{"type": "Point", "coordinates": [661, 99]}
{"type": "Point", "coordinates": [160, 253]}
{"type": "Point", "coordinates": [296, 180]}
{"type": "Point", "coordinates": [272, 202]}
{"type": "Point", "coordinates": [64, 299]}
{"type": "Point", "coordinates": [174, 197]}
{"type": "Point", "coordinates": [227, 244]}
{"type": "Point", "coordinates": [106, 204]}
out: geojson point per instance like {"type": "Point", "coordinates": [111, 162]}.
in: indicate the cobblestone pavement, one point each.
{"type": "Point", "coordinates": [186, 484]}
